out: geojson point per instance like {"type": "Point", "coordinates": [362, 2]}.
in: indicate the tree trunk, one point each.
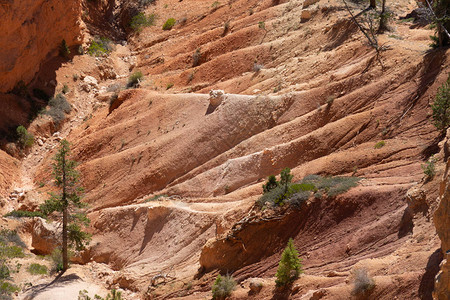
{"type": "Point", "coordinates": [65, 242]}
{"type": "Point", "coordinates": [383, 17]}
{"type": "Point", "coordinates": [65, 217]}
{"type": "Point", "coordinates": [373, 4]}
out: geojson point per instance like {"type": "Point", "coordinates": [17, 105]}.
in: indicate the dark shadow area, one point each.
{"type": "Point", "coordinates": [210, 109]}
{"type": "Point", "coordinates": [406, 224]}
{"type": "Point", "coordinates": [58, 281]}
{"type": "Point", "coordinates": [152, 227]}
{"type": "Point", "coordinates": [427, 282]}
{"type": "Point", "coordinates": [339, 33]}
{"type": "Point", "coordinates": [419, 18]}
{"type": "Point", "coordinates": [282, 293]}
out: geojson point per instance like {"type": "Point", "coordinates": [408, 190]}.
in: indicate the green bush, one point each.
{"type": "Point", "coordinates": [57, 260]}
{"type": "Point", "coordinates": [441, 107]}
{"type": "Point", "coordinates": [64, 50]}
{"type": "Point", "coordinates": [379, 145]}
{"type": "Point", "coordinates": [169, 24]}
{"type": "Point", "coordinates": [223, 287]}
{"type": "Point", "coordinates": [278, 193]}
{"type": "Point", "coordinates": [37, 269]}
{"type": "Point", "coordinates": [24, 214]}
{"type": "Point", "coordinates": [429, 168]}
{"type": "Point", "coordinates": [290, 266]}
{"type": "Point", "coordinates": [134, 79]}
{"type": "Point", "coordinates": [59, 107]}
{"type": "Point", "coordinates": [139, 21]}
{"type": "Point", "coordinates": [25, 139]}
{"type": "Point", "coordinates": [363, 283]}
{"type": "Point", "coordinates": [7, 289]}
{"type": "Point", "coordinates": [100, 46]}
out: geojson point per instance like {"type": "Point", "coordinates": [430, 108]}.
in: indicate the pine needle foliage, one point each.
{"type": "Point", "coordinates": [223, 287]}
{"type": "Point", "coordinates": [68, 203]}
{"type": "Point", "coordinates": [290, 266]}
{"type": "Point", "coordinates": [441, 107]}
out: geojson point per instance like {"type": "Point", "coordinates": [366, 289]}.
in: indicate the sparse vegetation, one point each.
{"type": "Point", "coordinates": [226, 28]}
{"type": "Point", "coordinates": [25, 139]}
{"type": "Point", "coordinates": [441, 107]}
{"type": "Point", "coordinates": [169, 86]}
{"type": "Point", "coordinates": [429, 168]}
{"type": "Point", "coordinates": [59, 107]}
{"type": "Point", "coordinates": [57, 260]}
{"type": "Point", "coordinates": [24, 214]}
{"type": "Point", "coordinates": [223, 287]}
{"type": "Point", "coordinates": [262, 25]}
{"type": "Point", "coordinates": [379, 144]}
{"type": "Point", "coordinates": [64, 50]}
{"type": "Point", "coordinates": [156, 197]}
{"type": "Point", "coordinates": [363, 283]}
{"type": "Point", "coordinates": [10, 247]}
{"type": "Point", "coordinates": [169, 24]}
{"type": "Point", "coordinates": [135, 79]}
{"type": "Point", "coordinates": [100, 46]}
{"type": "Point", "coordinates": [37, 269]}
{"type": "Point", "coordinates": [290, 267]}
{"type": "Point", "coordinates": [215, 4]}
{"type": "Point", "coordinates": [280, 192]}
{"type": "Point", "coordinates": [65, 89]}
{"type": "Point", "coordinates": [112, 295]}
{"type": "Point", "coordinates": [139, 21]}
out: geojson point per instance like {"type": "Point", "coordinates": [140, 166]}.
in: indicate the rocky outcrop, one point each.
{"type": "Point", "coordinates": [45, 236]}
{"type": "Point", "coordinates": [442, 223]}
{"type": "Point", "coordinates": [31, 31]}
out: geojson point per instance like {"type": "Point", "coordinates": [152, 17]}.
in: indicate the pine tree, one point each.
{"type": "Point", "coordinates": [441, 107]}
{"type": "Point", "coordinates": [68, 203]}
{"type": "Point", "coordinates": [270, 184]}
{"type": "Point", "coordinates": [285, 179]}
{"type": "Point", "coordinates": [290, 266]}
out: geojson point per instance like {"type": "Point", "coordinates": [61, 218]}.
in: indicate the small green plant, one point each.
{"type": "Point", "coordinates": [262, 25]}
{"type": "Point", "coordinates": [65, 89]}
{"type": "Point", "coordinates": [169, 86]}
{"type": "Point", "coordinates": [363, 283]}
{"type": "Point", "coordinates": [169, 24]}
{"type": "Point", "coordinates": [380, 144]}
{"type": "Point", "coordinates": [112, 295]}
{"type": "Point", "coordinates": [441, 107]}
{"type": "Point", "coordinates": [429, 168]}
{"type": "Point", "coordinates": [57, 260]}
{"type": "Point", "coordinates": [156, 197]}
{"type": "Point", "coordinates": [100, 46]}
{"type": "Point", "coordinates": [290, 267]}
{"type": "Point", "coordinates": [139, 21]}
{"type": "Point", "coordinates": [75, 77]}
{"type": "Point", "coordinates": [196, 57]}
{"type": "Point", "coordinates": [25, 138]}
{"type": "Point", "coordinates": [271, 184]}
{"type": "Point", "coordinates": [64, 50]}
{"type": "Point", "coordinates": [37, 269]}
{"type": "Point", "coordinates": [135, 79]}
{"type": "Point", "coordinates": [223, 287]}
{"type": "Point", "coordinates": [215, 4]}
{"type": "Point", "coordinates": [24, 214]}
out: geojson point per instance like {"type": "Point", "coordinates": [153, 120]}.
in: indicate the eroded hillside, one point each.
{"type": "Point", "coordinates": [171, 180]}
